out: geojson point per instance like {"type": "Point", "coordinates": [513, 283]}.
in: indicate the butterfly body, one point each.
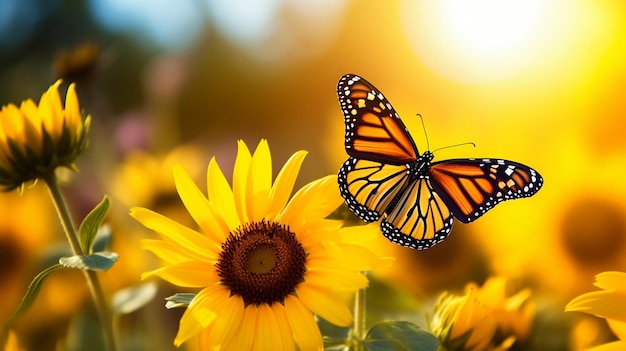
{"type": "Point", "coordinates": [417, 199]}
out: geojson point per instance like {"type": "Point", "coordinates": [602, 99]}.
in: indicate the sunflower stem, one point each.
{"type": "Point", "coordinates": [92, 278]}
{"type": "Point", "coordinates": [358, 328]}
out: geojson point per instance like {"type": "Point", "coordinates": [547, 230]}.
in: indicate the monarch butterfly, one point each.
{"type": "Point", "coordinates": [417, 199]}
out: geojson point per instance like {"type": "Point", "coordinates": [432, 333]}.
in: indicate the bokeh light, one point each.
{"type": "Point", "coordinates": [538, 82]}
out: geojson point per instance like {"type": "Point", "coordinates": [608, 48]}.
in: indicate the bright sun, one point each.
{"type": "Point", "coordinates": [473, 41]}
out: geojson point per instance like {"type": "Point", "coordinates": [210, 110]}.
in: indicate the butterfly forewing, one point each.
{"type": "Point", "coordinates": [369, 187]}
{"type": "Point", "coordinates": [420, 219]}
{"type": "Point", "coordinates": [471, 187]}
{"type": "Point", "coordinates": [374, 131]}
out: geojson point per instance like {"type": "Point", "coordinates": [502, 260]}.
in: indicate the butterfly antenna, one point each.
{"type": "Point", "coordinates": [424, 129]}
{"type": "Point", "coordinates": [455, 145]}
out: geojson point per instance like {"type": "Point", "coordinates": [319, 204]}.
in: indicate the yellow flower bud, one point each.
{"type": "Point", "coordinates": [36, 139]}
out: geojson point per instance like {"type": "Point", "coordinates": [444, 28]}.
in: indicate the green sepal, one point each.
{"type": "Point", "coordinates": [32, 292]}
{"type": "Point", "coordinates": [179, 300]}
{"type": "Point", "coordinates": [133, 298]}
{"type": "Point", "coordinates": [99, 261]}
{"type": "Point", "coordinates": [89, 227]}
{"type": "Point", "coordinates": [399, 336]}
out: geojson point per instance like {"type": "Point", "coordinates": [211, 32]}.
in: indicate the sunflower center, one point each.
{"type": "Point", "coordinates": [262, 262]}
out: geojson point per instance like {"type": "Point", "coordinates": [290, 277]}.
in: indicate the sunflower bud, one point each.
{"type": "Point", "coordinates": [463, 322]}
{"type": "Point", "coordinates": [36, 139]}
{"type": "Point", "coordinates": [483, 318]}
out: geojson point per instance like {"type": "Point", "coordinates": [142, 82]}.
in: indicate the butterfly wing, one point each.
{"type": "Point", "coordinates": [369, 187]}
{"type": "Point", "coordinates": [374, 131]}
{"type": "Point", "coordinates": [471, 187]}
{"type": "Point", "coordinates": [414, 215]}
{"type": "Point", "coordinates": [420, 219]}
{"type": "Point", "coordinates": [375, 180]}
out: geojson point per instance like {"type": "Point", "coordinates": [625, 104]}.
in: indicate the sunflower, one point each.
{"type": "Point", "coordinates": [266, 263]}
{"type": "Point", "coordinates": [483, 318]}
{"type": "Point", "coordinates": [36, 139]}
{"type": "Point", "coordinates": [609, 303]}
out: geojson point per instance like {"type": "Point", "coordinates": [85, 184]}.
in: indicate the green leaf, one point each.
{"type": "Point", "coordinates": [131, 299]}
{"type": "Point", "coordinates": [99, 261]}
{"type": "Point", "coordinates": [399, 336]}
{"type": "Point", "coordinates": [179, 300]}
{"type": "Point", "coordinates": [32, 292]}
{"type": "Point", "coordinates": [102, 241]}
{"type": "Point", "coordinates": [89, 228]}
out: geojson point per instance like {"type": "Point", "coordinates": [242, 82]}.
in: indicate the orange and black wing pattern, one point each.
{"type": "Point", "coordinates": [471, 187]}
{"type": "Point", "coordinates": [420, 219]}
{"type": "Point", "coordinates": [370, 187]}
{"type": "Point", "coordinates": [385, 178]}
{"type": "Point", "coordinates": [374, 131]}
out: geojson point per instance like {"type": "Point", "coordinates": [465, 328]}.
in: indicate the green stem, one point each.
{"type": "Point", "coordinates": [358, 327]}
{"type": "Point", "coordinates": [92, 278]}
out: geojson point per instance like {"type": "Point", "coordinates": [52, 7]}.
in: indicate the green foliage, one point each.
{"type": "Point", "coordinates": [131, 299]}
{"type": "Point", "coordinates": [99, 261]}
{"type": "Point", "coordinates": [399, 336]}
{"type": "Point", "coordinates": [102, 242]}
{"type": "Point", "coordinates": [179, 300]}
{"type": "Point", "coordinates": [32, 292]}
{"type": "Point", "coordinates": [89, 228]}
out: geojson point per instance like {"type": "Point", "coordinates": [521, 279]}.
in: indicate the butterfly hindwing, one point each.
{"type": "Point", "coordinates": [420, 219]}
{"type": "Point", "coordinates": [471, 187]}
{"type": "Point", "coordinates": [374, 131]}
{"type": "Point", "coordinates": [369, 187]}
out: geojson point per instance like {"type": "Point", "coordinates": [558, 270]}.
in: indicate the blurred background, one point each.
{"type": "Point", "coordinates": [539, 82]}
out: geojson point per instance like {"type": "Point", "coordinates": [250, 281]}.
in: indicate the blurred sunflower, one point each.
{"type": "Point", "coordinates": [609, 303]}
{"type": "Point", "coordinates": [146, 180]}
{"type": "Point", "coordinates": [22, 241]}
{"type": "Point", "coordinates": [36, 139]}
{"type": "Point", "coordinates": [483, 318]}
{"type": "Point", "coordinates": [78, 63]}
{"type": "Point", "coordinates": [266, 263]}
{"type": "Point", "coordinates": [579, 220]}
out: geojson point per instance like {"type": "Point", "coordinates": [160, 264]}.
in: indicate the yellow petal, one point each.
{"type": "Point", "coordinates": [271, 333]}
{"type": "Point", "coordinates": [51, 110]}
{"type": "Point", "coordinates": [240, 179]}
{"type": "Point", "coordinates": [72, 110]}
{"type": "Point", "coordinates": [191, 274]}
{"type": "Point", "coordinates": [313, 201]}
{"type": "Point", "coordinates": [345, 257]}
{"type": "Point", "coordinates": [305, 330]}
{"type": "Point", "coordinates": [283, 185]}
{"type": "Point", "coordinates": [199, 208]}
{"type": "Point", "coordinates": [364, 235]}
{"type": "Point", "coordinates": [12, 122]}
{"type": "Point", "coordinates": [207, 304]}
{"type": "Point", "coordinates": [246, 332]}
{"type": "Point", "coordinates": [170, 252]}
{"type": "Point", "coordinates": [175, 232]}
{"type": "Point", "coordinates": [225, 327]}
{"type": "Point", "coordinates": [612, 346]}
{"type": "Point", "coordinates": [336, 279]}
{"type": "Point", "coordinates": [611, 281]}
{"type": "Point", "coordinates": [221, 196]}
{"type": "Point", "coordinates": [283, 323]}
{"type": "Point", "coordinates": [324, 304]}
{"type": "Point", "coordinates": [11, 342]}
{"type": "Point", "coordinates": [259, 182]}
{"type": "Point", "coordinates": [188, 327]}
{"type": "Point", "coordinates": [606, 304]}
